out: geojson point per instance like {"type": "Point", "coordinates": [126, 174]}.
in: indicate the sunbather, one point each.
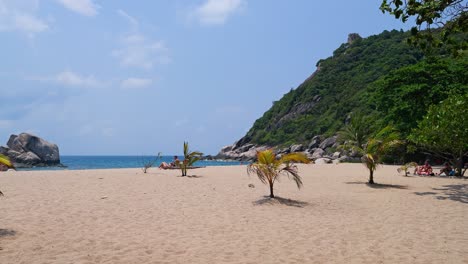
{"type": "Point", "coordinates": [447, 170]}
{"type": "Point", "coordinates": [173, 164]}
{"type": "Point", "coordinates": [425, 169]}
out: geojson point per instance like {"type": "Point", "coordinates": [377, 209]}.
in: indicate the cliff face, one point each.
{"type": "Point", "coordinates": [321, 105]}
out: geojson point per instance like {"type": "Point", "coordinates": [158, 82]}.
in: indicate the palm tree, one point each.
{"type": "Point", "coordinates": [387, 140]}
{"type": "Point", "coordinates": [371, 149]}
{"type": "Point", "coordinates": [190, 157]}
{"type": "Point", "coordinates": [404, 168]}
{"type": "Point", "coordinates": [268, 168]}
{"type": "Point", "coordinates": [356, 133]}
{"type": "Point", "coordinates": [4, 160]}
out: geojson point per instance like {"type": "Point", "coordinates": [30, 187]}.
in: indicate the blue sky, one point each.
{"type": "Point", "coordinates": [139, 77]}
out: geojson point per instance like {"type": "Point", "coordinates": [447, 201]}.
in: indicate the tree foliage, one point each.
{"type": "Point", "coordinates": [448, 16]}
{"type": "Point", "coordinates": [268, 167]}
{"type": "Point", "coordinates": [444, 130]}
{"type": "Point", "coordinates": [404, 95]}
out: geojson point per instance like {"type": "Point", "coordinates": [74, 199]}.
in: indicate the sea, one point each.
{"type": "Point", "coordinates": [119, 162]}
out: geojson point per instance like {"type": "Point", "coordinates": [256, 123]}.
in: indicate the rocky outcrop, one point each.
{"type": "Point", "coordinates": [352, 37]}
{"type": "Point", "coordinates": [321, 151]}
{"type": "Point", "coordinates": [246, 152]}
{"type": "Point", "coordinates": [26, 150]}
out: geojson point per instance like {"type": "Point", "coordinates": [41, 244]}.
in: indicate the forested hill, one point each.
{"type": "Point", "coordinates": [345, 83]}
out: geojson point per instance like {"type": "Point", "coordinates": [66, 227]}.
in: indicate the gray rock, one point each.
{"type": "Point", "coordinates": [30, 150]}
{"type": "Point", "coordinates": [344, 158]}
{"type": "Point", "coordinates": [352, 37]}
{"type": "Point", "coordinates": [309, 155]}
{"type": "Point", "coordinates": [284, 151]}
{"type": "Point", "coordinates": [245, 148]}
{"type": "Point", "coordinates": [328, 142]}
{"type": "Point", "coordinates": [318, 153]}
{"type": "Point", "coordinates": [323, 161]}
{"type": "Point", "coordinates": [297, 148]}
{"type": "Point", "coordinates": [28, 158]}
{"type": "Point", "coordinates": [336, 155]}
{"type": "Point", "coordinates": [227, 148]}
{"type": "Point", "coordinates": [314, 143]}
{"type": "Point", "coordinates": [14, 143]}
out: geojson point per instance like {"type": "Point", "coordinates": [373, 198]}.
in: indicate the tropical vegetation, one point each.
{"type": "Point", "coordinates": [449, 17]}
{"type": "Point", "coordinates": [190, 157]}
{"type": "Point", "coordinates": [443, 131]}
{"type": "Point", "coordinates": [381, 78]}
{"type": "Point", "coordinates": [269, 167]}
{"type": "Point", "coordinates": [356, 137]}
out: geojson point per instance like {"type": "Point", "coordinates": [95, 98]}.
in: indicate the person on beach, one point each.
{"type": "Point", "coordinates": [447, 170]}
{"type": "Point", "coordinates": [175, 161]}
{"type": "Point", "coordinates": [425, 169]}
{"type": "Point", "coordinates": [165, 165]}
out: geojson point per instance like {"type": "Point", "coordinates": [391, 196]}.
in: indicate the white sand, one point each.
{"type": "Point", "coordinates": [125, 216]}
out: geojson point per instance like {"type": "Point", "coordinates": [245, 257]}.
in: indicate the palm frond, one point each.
{"type": "Point", "coordinates": [293, 174]}
{"type": "Point", "coordinates": [294, 157]}
{"type": "Point", "coordinates": [261, 170]}
{"type": "Point", "coordinates": [369, 161]}
{"type": "Point", "coordinates": [6, 161]}
{"type": "Point", "coordinates": [266, 156]}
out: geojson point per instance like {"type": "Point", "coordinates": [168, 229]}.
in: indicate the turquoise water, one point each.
{"type": "Point", "coordinates": [117, 162]}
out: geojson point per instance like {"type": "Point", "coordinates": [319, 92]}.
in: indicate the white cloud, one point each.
{"type": "Point", "coordinates": [31, 24]}
{"type": "Point", "coordinates": [70, 78]}
{"type": "Point", "coordinates": [133, 21]}
{"type": "Point", "coordinates": [216, 12]}
{"type": "Point", "coordinates": [19, 16]}
{"type": "Point", "coordinates": [82, 7]}
{"type": "Point", "coordinates": [137, 51]}
{"type": "Point", "coordinates": [133, 83]}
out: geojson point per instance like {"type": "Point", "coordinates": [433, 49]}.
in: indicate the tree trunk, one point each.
{"type": "Point", "coordinates": [460, 164]}
{"type": "Point", "coordinates": [271, 190]}
{"type": "Point", "coordinates": [371, 177]}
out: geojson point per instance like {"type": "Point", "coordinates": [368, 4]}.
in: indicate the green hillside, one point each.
{"type": "Point", "coordinates": [372, 76]}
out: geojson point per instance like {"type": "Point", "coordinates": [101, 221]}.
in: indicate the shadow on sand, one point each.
{"type": "Point", "coordinates": [454, 192]}
{"type": "Point", "coordinates": [7, 232]}
{"type": "Point", "coordinates": [381, 185]}
{"type": "Point", "coordinates": [278, 200]}
{"type": "Point", "coordinates": [191, 176]}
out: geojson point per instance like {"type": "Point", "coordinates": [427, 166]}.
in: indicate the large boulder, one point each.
{"type": "Point", "coordinates": [328, 142]}
{"type": "Point", "coordinates": [314, 143]}
{"type": "Point", "coordinates": [336, 155]}
{"type": "Point", "coordinates": [297, 148]}
{"type": "Point", "coordinates": [26, 150]}
{"type": "Point", "coordinates": [318, 153]}
{"type": "Point", "coordinates": [247, 152]}
{"type": "Point", "coordinates": [323, 161]}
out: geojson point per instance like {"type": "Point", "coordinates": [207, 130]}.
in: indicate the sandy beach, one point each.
{"type": "Point", "coordinates": [126, 216]}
